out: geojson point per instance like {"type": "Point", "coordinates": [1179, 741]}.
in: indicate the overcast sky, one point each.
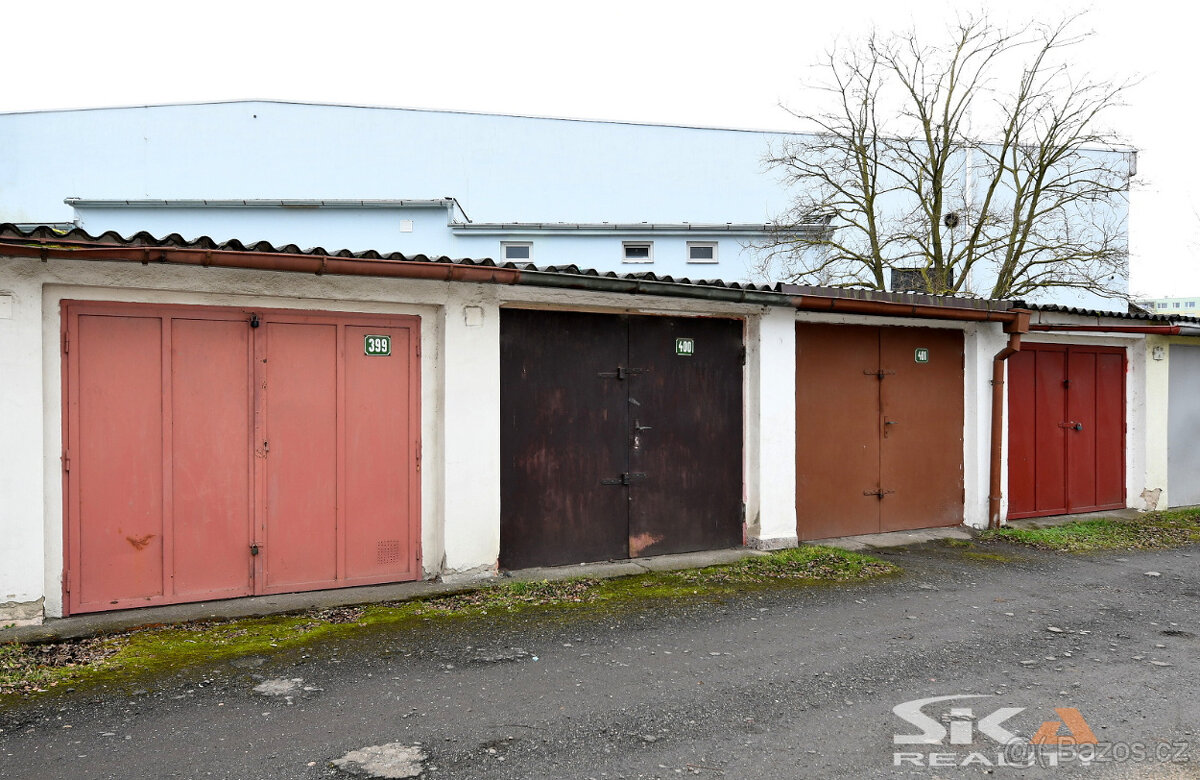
{"type": "Point", "coordinates": [728, 65]}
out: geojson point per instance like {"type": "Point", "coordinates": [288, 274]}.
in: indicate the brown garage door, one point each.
{"type": "Point", "coordinates": [879, 429]}
{"type": "Point", "coordinates": [217, 452]}
{"type": "Point", "coordinates": [620, 436]}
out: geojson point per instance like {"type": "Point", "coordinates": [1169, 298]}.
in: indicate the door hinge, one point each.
{"type": "Point", "coordinates": [417, 454]}
{"type": "Point", "coordinates": [66, 342]}
{"type": "Point", "coordinates": [67, 581]}
{"type": "Point", "coordinates": [625, 479]}
{"type": "Point", "coordinates": [417, 344]}
{"type": "Point", "coordinates": [742, 354]}
{"type": "Point", "coordinates": [743, 513]}
{"type": "Point", "coordinates": [67, 460]}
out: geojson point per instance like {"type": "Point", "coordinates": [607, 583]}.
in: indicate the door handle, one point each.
{"type": "Point", "coordinates": [1072, 425]}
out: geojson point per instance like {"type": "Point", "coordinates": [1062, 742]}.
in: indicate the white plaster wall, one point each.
{"type": "Point", "coordinates": [983, 341]}
{"type": "Point", "coordinates": [22, 546]}
{"type": "Point", "coordinates": [771, 429]}
{"type": "Point", "coordinates": [1157, 385]}
{"type": "Point", "coordinates": [471, 427]}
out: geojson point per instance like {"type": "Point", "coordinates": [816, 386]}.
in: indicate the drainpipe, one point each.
{"type": "Point", "coordinates": [1014, 330]}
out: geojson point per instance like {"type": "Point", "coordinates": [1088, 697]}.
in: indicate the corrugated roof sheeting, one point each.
{"type": "Point", "coordinates": [1125, 315]}
{"type": "Point", "coordinates": [62, 237]}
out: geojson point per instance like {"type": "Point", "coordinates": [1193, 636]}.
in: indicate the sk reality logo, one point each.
{"type": "Point", "coordinates": [963, 723]}
{"type": "Point", "coordinates": [960, 726]}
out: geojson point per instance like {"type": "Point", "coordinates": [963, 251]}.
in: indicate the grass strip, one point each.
{"type": "Point", "coordinates": [1151, 531]}
{"type": "Point", "coordinates": [32, 669]}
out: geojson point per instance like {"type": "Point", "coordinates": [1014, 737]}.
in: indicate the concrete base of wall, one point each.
{"type": "Point", "coordinates": [22, 613]}
{"type": "Point", "coordinates": [476, 574]}
{"type": "Point", "coordinates": [776, 543]}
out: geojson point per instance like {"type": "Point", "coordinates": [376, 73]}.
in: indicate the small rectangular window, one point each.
{"type": "Point", "coordinates": [1176, 304]}
{"type": "Point", "coordinates": [702, 251]}
{"type": "Point", "coordinates": [516, 251]}
{"type": "Point", "coordinates": [639, 251]}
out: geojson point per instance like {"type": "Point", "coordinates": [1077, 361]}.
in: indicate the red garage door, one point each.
{"type": "Point", "coordinates": [1066, 430]}
{"type": "Point", "coordinates": [214, 453]}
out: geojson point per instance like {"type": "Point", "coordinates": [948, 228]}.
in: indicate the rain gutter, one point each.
{"type": "Point", "coordinates": [1162, 330]}
{"type": "Point", "coordinates": [281, 261]}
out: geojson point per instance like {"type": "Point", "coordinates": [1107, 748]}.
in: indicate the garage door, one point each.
{"type": "Point", "coordinates": [1066, 430]}
{"type": "Point", "coordinates": [621, 436]}
{"type": "Point", "coordinates": [1183, 427]}
{"type": "Point", "coordinates": [879, 429]}
{"type": "Point", "coordinates": [214, 453]}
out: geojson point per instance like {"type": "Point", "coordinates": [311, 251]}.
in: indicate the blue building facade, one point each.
{"type": "Point", "coordinates": [680, 201]}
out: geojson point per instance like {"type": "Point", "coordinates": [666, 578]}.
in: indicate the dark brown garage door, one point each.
{"type": "Point", "coordinates": [620, 436]}
{"type": "Point", "coordinates": [879, 429]}
{"type": "Point", "coordinates": [215, 452]}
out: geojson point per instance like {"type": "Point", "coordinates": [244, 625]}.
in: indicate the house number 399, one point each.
{"type": "Point", "coordinates": [377, 345]}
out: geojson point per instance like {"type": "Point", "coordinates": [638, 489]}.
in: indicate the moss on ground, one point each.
{"type": "Point", "coordinates": [31, 669]}
{"type": "Point", "coordinates": [1151, 531]}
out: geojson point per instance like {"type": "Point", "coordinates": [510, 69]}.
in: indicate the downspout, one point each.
{"type": "Point", "coordinates": [1014, 330]}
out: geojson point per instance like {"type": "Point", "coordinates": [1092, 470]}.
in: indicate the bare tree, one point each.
{"type": "Point", "coordinates": [1034, 199]}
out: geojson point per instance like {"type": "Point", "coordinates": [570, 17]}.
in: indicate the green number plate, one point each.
{"type": "Point", "coordinates": [377, 345]}
{"type": "Point", "coordinates": [685, 347]}
{"type": "Point", "coordinates": [921, 355]}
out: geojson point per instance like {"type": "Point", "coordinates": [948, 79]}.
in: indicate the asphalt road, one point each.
{"type": "Point", "coordinates": [788, 683]}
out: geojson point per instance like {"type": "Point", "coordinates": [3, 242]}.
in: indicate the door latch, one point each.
{"type": "Point", "coordinates": [625, 479]}
{"type": "Point", "coordinates": [622, 372]}
{"type": "Point", "coordinates": [1071, 425]}
{"type": "Point", "coordinates": [877, 493]}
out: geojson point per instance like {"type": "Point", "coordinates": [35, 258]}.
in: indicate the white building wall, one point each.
{"type": "Point", "coordinates": [771, 429]}
{"type": "Point", "coordinates": [983, 341]}
{"type": "Point", "coordinates": [1157, 360]}
{"type": "Point", "coordinates": [22, 542]}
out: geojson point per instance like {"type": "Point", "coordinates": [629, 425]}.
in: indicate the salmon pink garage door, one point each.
{"type": "Point", "coordinates": [213, 453]}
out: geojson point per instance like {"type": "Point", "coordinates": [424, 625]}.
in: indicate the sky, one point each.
{"type": "Point", "coordinates": [721, 65]}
